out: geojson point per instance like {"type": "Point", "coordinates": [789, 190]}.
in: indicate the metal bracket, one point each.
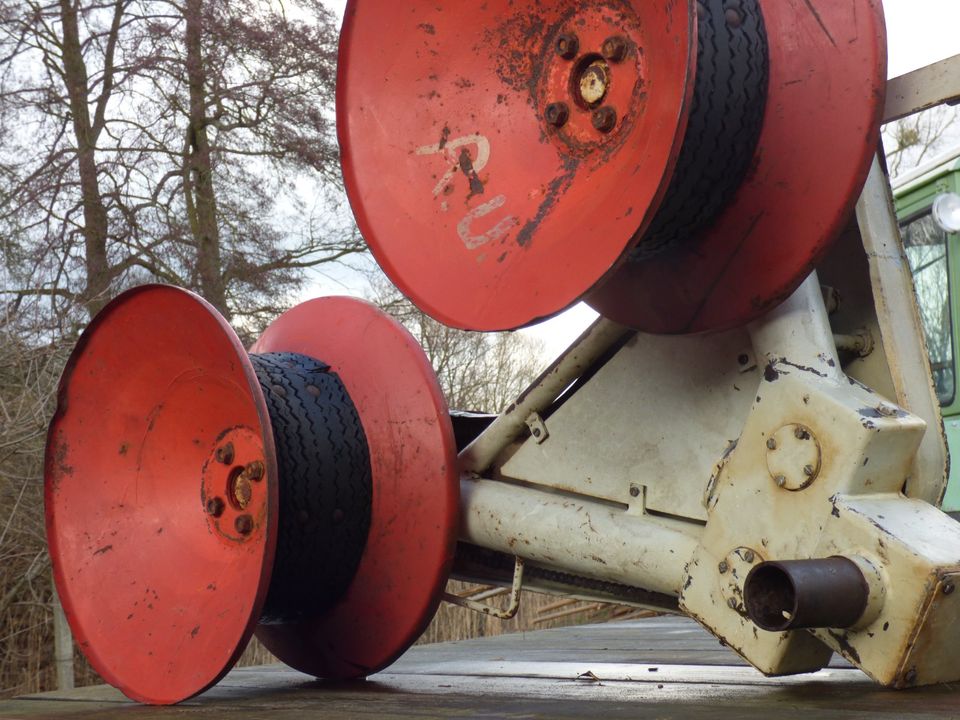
{"type": "Point", "coordinates": [474, 601]}
{"type": "Point", "coordinates": [538, 428]}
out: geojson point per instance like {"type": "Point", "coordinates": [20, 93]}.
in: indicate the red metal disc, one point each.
{"type": "Point", "coordinates": [159, 408]}
{"type": "Point", "coordinates": [484, 212]}
{"type": "Point", "coordinates": [821, 131]}
{"type": "Point", "coordinates": [416, 489]}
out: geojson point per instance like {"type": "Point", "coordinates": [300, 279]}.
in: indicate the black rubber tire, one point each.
{"type": "Point", "coordinates": [726, 118]}
{"type": "Point", "coordinates": [326, 488]}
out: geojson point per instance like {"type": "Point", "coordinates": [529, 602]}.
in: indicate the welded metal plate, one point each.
{"type": "Point", "coordinates": [416, 490]}
{"type": "Point", "coordinates": [161, 596]}
{"type": "Point", "coordinates": [486, 213]}
{"type": "Point", "coordinates": [821, 129]}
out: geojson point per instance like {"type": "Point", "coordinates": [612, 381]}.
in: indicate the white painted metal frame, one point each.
{"type": "Point", "coordinates": [662, 470]}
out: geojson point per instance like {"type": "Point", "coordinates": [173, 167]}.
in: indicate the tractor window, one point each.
{"type": "Point", "coordinates": [926, 246]}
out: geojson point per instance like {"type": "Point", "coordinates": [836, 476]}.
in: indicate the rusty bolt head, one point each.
{"type": "Point", "coordinates": [255, 471]}
{"type": "Point", "coordinates": [780, 480]}
{"type": "Point", "coordinates": [911, 677]}
{"type": "Point", "coordinates": [722, 568]}
{"type": "Point", "coordinates": [732, 603]}
{"type": "Point", "coordinates": [614, 48]}
{"type": "Point", "coordinates": [568, 46]}
{"type": "Point", "coordinates": [801, 433]}
{"type": "Point", "coordinates": [887, 410]}
{"type": "Point", "coordinates": [749, 556]}
{"type": "Point", "coordinates": [225, 454]}
{"type": "Point", "coordinates": [634, 491]}
{"type": "Point", "coordinates": [557, 114]}
{"type": "Point", "coordinates": [244, 524]}
{"type": "Point", "coordinates": [605, 119]}
{"type": "Point", "coordinates": [771, 444]}
{"type": "Point", "coordinates": [215, 507]}
{"type": "Point", "coordinates": [948, 589]}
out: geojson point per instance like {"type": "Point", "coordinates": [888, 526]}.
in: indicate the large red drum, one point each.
{"type": "Point", "coordinates": [501, 156]}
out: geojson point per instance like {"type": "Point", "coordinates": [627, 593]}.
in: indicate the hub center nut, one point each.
{"type": "Point", "coordinates": [240, 485]}
{"type": "Point", "coordinates": [594, 83]}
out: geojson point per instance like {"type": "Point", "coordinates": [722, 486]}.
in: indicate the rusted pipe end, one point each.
{"type": "Point", "coordinates": [789, 595]}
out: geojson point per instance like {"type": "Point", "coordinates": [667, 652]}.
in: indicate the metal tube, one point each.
{"type": "Point", "coordinates": [480, 454]}
{"type": "Point", "coordinates": [793, 594]}
{"type": "Point", "coordinates": [577, 535]}
{"type": "Point", "coordinates": [482, 566]}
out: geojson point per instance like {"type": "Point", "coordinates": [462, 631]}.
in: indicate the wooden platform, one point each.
{"type": "Point", "coordinates": [659, 668]}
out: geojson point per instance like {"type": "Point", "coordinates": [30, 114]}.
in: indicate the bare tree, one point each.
{"type": "Point", "coordinates": [478, 371]}
{"type": "Point", "coordinates": [27, 382]}
{"type": "Point", "coordinates": [919, 138]}
{"type": "Point", "coordinates": [166, 141]}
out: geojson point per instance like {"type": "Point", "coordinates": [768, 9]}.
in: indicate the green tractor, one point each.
{"type": "Point", "coordinates": [928, 209]}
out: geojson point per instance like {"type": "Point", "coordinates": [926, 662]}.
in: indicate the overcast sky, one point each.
{"type": "Point", "coordinates": [919, 32]}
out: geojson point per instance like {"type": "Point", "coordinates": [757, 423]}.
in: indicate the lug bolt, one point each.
{"type": "Point", "coordinates": [732, 603]}
{"type": "Point", "coordinates": [948, 589]}
{"type": "Point", "coordinates": [801, 434]}
{"type": "Point", "coordinates": [614, 49]}
{"type": "Point", "coordinates": [225, 454]}
{"type": "Point", "coordinates": [255, 471]}
{"type": "Point", "coordinates": [215, 507]}
{"type": "Point", "coordinates": [749, 557]}
{"type": "Point", "coordinates": [557, 114]}
{"type": "Point", "coordinates": [808, 470]}
{"type": "Point", "coordinates": [244, 524]}
{"type": "Point", "coordinates": [771, 444]}
{"type": "Point", "coordinates": [780, 480]}
{"type": "Point", "coordinates": [605, 119]}
{"type": "Point", "coordinates": [723, 567]}
{"type": "Point", "coordinates": [634, 491]}
{"type": "Point", "coordinates": [568, 46]}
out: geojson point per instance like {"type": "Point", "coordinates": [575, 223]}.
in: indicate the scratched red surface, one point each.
{"type": "Point", "coordinates": [821, 131]}
{"type": "Point", "coordinates": [416, 489]}
{"type": "Point", "coordinates": [482, 213]}
{"type": "Point", "coordinates": [160, 603]}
